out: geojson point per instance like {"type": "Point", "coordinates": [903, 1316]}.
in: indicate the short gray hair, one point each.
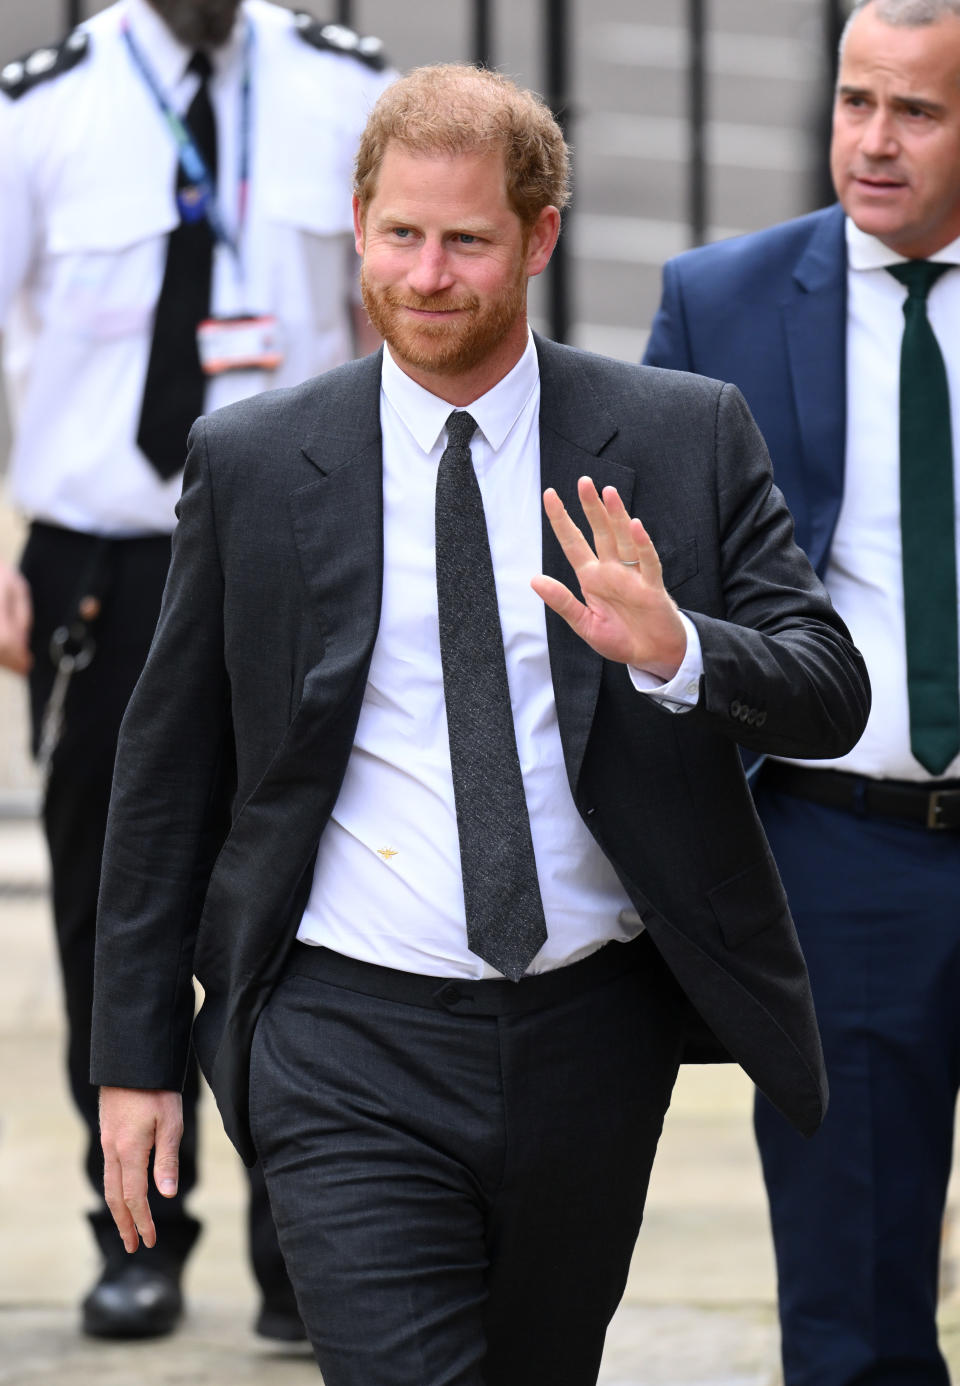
{"type": "Point", "coordinates": [912, 14]}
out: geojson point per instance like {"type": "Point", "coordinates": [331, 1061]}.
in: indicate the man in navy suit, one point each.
{"type": "Point", "coordinates": [806, 319]}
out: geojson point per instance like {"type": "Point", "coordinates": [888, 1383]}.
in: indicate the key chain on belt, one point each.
{"type": "Point", "coordinates": [72, 648]}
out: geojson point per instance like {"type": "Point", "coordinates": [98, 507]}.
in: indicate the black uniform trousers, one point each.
{"type": "Point", "coordinates": [458, 1169]}
{"type": "Point", "coordinates": [58, 563]}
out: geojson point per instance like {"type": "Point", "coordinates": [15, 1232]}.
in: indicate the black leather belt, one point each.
{"type": "Point", "coordinates": [935, 804]}
{"type": "Point", "coordinates": [489, 996]}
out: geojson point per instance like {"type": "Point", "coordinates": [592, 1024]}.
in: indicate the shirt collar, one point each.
{"type": "Point", "coordinates": [866, 252]}
{"type": "Point", "coordinates": [166, 55]}
{"type": "Point", "coordinates": [496, 412]}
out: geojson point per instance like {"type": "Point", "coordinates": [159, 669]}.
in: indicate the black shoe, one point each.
{"type": "Point", "coordinates": [133, 1299]}
{"type": "Point", "coordinates": [282, 1325]}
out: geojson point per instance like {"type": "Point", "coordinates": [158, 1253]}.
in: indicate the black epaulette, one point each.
{"type": "Point", "coordinates": [337, 38]}
{"type": "Point", "coordinates": [25, 73]}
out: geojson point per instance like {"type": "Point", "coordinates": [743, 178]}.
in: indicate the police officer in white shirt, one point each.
{"type": "Point", "coordinates": [92, 136]}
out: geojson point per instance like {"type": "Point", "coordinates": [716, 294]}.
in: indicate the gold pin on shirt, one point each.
{"type": "Point", "coordinates": [386, 852]}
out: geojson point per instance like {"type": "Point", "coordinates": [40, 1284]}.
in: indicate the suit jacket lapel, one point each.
{"type": "Point", "coordinates": [337, 518]}
{"type": "Point", "coordinates": [815, 325]}
{"type": "Point", "coordinates": [574, 429]}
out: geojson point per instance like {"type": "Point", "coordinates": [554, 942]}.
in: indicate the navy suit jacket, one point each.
{"type": "Point", "coordinates": [768, 313]}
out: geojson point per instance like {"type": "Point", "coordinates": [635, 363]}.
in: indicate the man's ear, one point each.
{"type": "Point", "coordinates": [357, 225]}
{"type": "Point", "coordinates": [542, 239]}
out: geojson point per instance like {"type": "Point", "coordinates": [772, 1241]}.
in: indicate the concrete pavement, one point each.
{"type": "Point", "coordinates": [698, 1309]}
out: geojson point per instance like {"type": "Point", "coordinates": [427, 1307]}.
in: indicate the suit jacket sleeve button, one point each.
{"type": "Point", "coordinates": [761, 718]}
{"type": "Point", "coordinates": [735, 708]}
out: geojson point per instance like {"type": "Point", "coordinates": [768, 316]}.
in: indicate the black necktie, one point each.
{"type": "Point", "coordinates": [505, 923]}
{"type": "Point", "coordinates": [174, 388]}
{"type": "Point", "coordinates": [928, 528]}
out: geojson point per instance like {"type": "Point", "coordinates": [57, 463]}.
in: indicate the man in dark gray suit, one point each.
{"type": "Point", "coordinates": [464, 862]}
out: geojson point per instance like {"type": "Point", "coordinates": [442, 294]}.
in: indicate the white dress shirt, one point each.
{"type": "Point", "coordinates": [387, 886]}
{"type": "Point", "coordinates": [87, 175]}
{"type": "Point", "coordinates": [865, 576]}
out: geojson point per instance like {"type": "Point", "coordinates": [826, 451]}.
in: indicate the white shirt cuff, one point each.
{"type": "Point", "coordinates": [683, 690]}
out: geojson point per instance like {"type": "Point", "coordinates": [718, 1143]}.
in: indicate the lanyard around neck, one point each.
{"type": "Point", "coordinates": [191, 160]}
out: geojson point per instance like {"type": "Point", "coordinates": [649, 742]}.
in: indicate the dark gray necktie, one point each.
{"type": "Point", "coordinates": [505, 923]}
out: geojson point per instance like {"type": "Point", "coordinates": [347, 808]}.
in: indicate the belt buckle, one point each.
{"type": "Point", "coordinates": [936, 803]}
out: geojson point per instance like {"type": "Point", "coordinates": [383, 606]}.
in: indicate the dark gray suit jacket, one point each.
{"type": "Point", "coordinates": [238, 735]}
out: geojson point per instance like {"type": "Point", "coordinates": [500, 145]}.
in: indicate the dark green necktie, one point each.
{"type": "Point", "coordinates": [928, 528]}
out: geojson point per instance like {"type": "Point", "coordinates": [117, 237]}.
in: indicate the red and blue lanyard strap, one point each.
{"type": "Point", "coordinates": [201, 199]}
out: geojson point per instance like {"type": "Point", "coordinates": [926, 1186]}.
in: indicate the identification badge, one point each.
{"type": "Point", "coordinates": [241, 343]}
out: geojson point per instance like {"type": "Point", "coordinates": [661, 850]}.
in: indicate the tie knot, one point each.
{"type": "Point", "coordinates": [918, 276]}
{"type": "Point", "coordinates": [461, 427]}
{"type": "Point", "coordinates": [200, 64]}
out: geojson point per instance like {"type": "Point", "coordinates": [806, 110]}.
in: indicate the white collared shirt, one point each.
{"type": "Point", "coordinates": [387, 886]}
{"type": "Point", "coordinates": [87, 175]}
{"type": "Point", "coordinates": [864, 576]}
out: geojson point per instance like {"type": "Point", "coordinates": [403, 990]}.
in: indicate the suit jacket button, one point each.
{"type": "Point", "coordinates": [761, 718]}
{"type": "Point", "coordinates": [751, 717]}
{"type": "Point", "coordinates": [735, 708]}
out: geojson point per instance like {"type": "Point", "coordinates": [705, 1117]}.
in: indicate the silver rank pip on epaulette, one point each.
{"type": "Point", "coordinates": [21, 75]}
{"type": "Point", "coordinates": [337, 38]}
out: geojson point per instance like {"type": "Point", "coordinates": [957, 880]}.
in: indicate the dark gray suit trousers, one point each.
{"type": "Point", "coordinates": [458, 1191]}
